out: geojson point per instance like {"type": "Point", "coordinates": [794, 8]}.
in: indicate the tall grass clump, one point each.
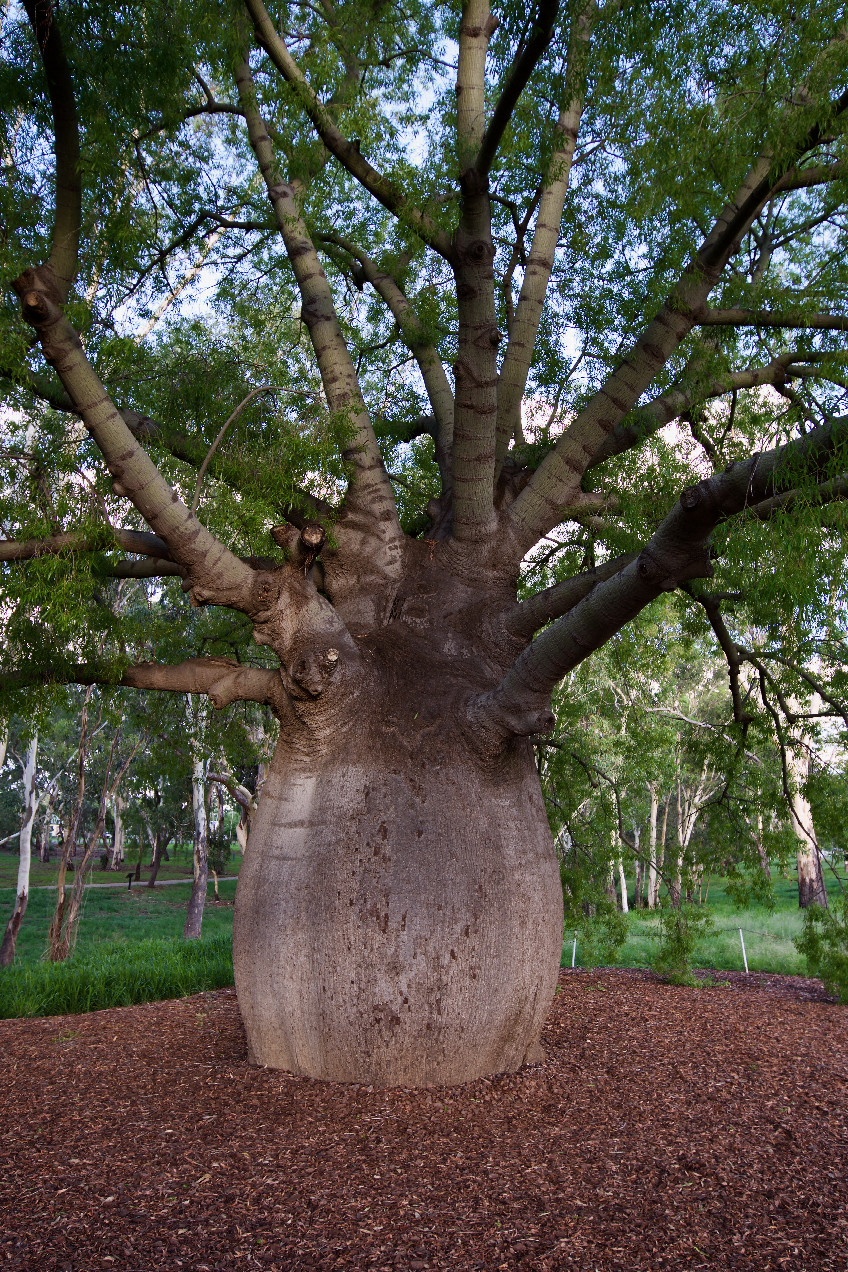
{"type": "Point", "coordinates": [117, 974]}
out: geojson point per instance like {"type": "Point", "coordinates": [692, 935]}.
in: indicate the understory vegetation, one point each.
{"type": "Point", "coordinates": [116, 915]}
{"type": "Point", "coordinates": [118, 973]}
{"type": "Point", "coordinates": [129, 948]}
{"type": "Point", "coordinates": [769, 934]}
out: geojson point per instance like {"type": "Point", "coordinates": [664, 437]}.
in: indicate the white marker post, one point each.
{"type": "Point", "coordinates": [574, 951]}
{"type": "Point", "coordinates": [744, 955]}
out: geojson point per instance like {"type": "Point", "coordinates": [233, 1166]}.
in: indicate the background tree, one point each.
{"type": "Point", "coordinates": [10, 936]}
{"type": "Point", "coordinates": [606, 220]}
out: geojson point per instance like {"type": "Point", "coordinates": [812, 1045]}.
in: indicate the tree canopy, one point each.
{"type": "Point", "coordinates": [621, 226]}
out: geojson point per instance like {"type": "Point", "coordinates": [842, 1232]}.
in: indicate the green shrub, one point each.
{"type": "Point", "coordinates": [680, 929]}
{"type": "Point", "coordinates": [218, 849]}
{"type": "Point", "coordinates": [600, 927]}
{"type": "Point", "coordinates": [824, 944]}
{"type": "Point", "coordinates": [117, 974]}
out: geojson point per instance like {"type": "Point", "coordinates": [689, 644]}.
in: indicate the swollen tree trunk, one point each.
{"type": "Point", "coordinates": [194, 917]}
{"type": "Point", "coordinates": [10, 936]}
{"type": "Point", "coordinates": [399, 913]}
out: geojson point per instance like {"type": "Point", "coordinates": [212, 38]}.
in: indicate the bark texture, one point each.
{"type": "Point", "coordinates": [399, 911]}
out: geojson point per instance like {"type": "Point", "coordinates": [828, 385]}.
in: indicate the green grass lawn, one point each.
{"type": "Point", "coordinates": [116, 914]}
{"type": "Point", "coordinates": [117, 974]}
{"type": "Point", "coordinates": [129, 950]}
{"type": "Point", "coordinates": [129, 947]}
{"type": "Point", "coordinates": [768, 934]}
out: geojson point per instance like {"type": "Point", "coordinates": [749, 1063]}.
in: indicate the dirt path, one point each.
{"type": "Point", "coordinates": [142, 883]}
{"type": "Point", "coordinates": [668, 1129]}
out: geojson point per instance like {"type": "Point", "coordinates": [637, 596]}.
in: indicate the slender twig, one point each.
{"type": "Point", "coordinates": [265, 388]}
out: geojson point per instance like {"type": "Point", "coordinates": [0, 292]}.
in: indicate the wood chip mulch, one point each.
{"type": "Point", "coordinates": [668, 1128]}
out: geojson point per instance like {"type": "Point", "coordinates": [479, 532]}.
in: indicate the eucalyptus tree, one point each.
{"type": "Point", "coordinates": [335, 314]}
{"type": "Point", "coordinates": [646, 752]}
{"type": "Point", "coordinates": [10, 936]}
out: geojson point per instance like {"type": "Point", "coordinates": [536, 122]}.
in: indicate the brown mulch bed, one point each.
{"type": "Point", "coordinates": [668, 1128]}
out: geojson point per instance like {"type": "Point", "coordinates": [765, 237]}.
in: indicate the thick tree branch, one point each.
{"type": "Point", "coordinates": [240, 794]}
{"type": "Point", "coordinates": [370, 486]}
{"type": "Point", "coordinates": [528, 616]}
{"type": "Point", "coordinates": [476, 29]}
{"type": "Point", "coordinates": [149, 545]}
{"type": "Point", "coordinates": [217, 575]}
{"type": "Point", "coordinates": [158, 564]}
{"type": "Point", "coordinates": [677, 551]}
{"type": "Point", "coordinates": [553, 484]}
{"type": "Point", "coordinates": [524, 327]}
{"type": "Point", "coordinates": [476, 367]}
{"type": "Point", "coordinates": [417, 341]}
{"type": "Point", "coordinates": [820, 174]}
{"type": "Point", "coordinates": [347, 152]}
{"type": "Point", "coordinates": [149, 569]}
{"type": "Point", "coordinates": [767, 318]}
{"type": "Point", "coordinates": [653, 416]}
{"type": "Point", "coordinates": [68, 211]}
{"type": "Point", "coordinates": [823, 493]}
{"type": "Point", "coordinates": [219, 679]}
{"type": "Point", "coordinates": [520, 72]}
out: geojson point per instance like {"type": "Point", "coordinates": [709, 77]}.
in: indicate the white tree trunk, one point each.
{"type": "Point", "coordinates": [10, 937]}
{"type": "Point", "coordinates": [194, 916]}
{"type": "Point", "coordinates": [689, 804]}
{"type": "Point", "coordinates": [639, 884]}
{"type": "Point", "coordinates": [118, 847]}
{"type": "Point", "coordinates": [653, 873]}
{"type": "Point", "coordinates": [622, 880]}
{"type": "Point", "coordinates": [811, 886]}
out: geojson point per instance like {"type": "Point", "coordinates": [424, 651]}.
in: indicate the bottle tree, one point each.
{"type": "Point", "coordinates": [422, 294]}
